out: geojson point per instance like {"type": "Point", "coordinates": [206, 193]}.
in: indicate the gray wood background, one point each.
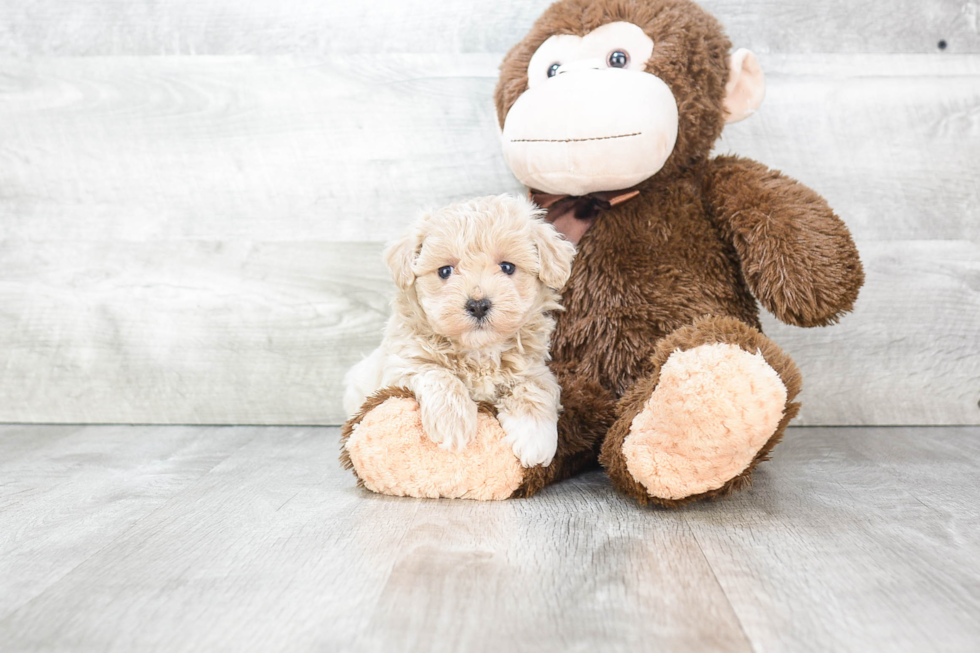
{"type": "Point", "coordinates": [194, 196]}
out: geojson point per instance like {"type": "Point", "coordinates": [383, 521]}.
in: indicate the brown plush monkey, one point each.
{"type": "Point", "coordinates": [608, 111]}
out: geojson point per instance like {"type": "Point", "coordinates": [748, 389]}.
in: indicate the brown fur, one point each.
{"type": "Point", "coordinates": [681, 265]}
{"type": "Point", "coordinates": [708, 330]}
{"type": "Point", "coordinates": [804, 268]}
{"type": "Point", "coordinates": [678, 265]}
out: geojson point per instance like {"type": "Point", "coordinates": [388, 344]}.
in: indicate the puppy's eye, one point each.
{"type": "Point", "coordinates": [553, 69]}
{"type": "Point", "coordinates": [508, 268]}
{"type": "Point", "coordinates": [445, 271]}
{"type": "Point", "coordinates": [617, 59]}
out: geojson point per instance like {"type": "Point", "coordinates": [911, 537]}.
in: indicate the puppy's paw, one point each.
{"type": "Point", "coordinates": [534, 441]}
{"type": "Point", "coordinates": [450, 420]}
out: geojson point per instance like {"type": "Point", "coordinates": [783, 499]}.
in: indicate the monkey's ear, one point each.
{"type": "Point", "coordinates": [555, 255]}
{"type": "Point", "coordinates": [746, 86]}
{"type": "Point", "coordinates": [400, 257]}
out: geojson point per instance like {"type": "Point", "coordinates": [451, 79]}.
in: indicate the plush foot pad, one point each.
{"type": "Point", "coordinates": [392, 455]}
{"type": "Point", "coordinates": [715, 406]}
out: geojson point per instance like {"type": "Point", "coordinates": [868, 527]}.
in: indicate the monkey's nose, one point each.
{"type": "Point", "coordinates": [478, 308]}
{"type": "Point", "coordinates": [581, 64]}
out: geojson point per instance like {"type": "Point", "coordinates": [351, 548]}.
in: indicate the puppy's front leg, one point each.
{"type": "Point", "coordinates": [529, 417]}
{"type": "Point", "coordinates": [449, 415]}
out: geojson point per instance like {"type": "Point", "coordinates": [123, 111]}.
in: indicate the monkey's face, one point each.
{"type": "Point", "coordinates": [593, 118]}
{"type": "Point", "coordinates": [602, 95]}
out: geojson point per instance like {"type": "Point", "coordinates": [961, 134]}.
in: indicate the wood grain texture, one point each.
{"type": "Point", "coordinates": [22, 440]}
{"type": "Point", "coordinates": [910, 352]}
{"type": "Point", "coordinates": [222, 27]}
{"type": "Point", "coordinates": [879, 526]}
{"type": "Point", "coordinates": [185, 333]}
{"type": "Point", "coordinates": [226, 333]}
{"type": "Point", "coordinates": [80, 488]}
{"type": "Point", "coordinates": [242, 148]}
{"type": "Point", "coordinates": [271, 550]}
{"type": "Point", "coordinates": [569, 571]}
{"type": "Point", "coordinates": [851, 539]}
{"type": "Point", "coordinates": [351, 148]}
{"type": "Point", "coordinates": [893, 143]}
{"type": "Point", "coordinates": [196, 239]}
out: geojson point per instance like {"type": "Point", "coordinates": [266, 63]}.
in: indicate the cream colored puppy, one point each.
{"type": "Point", "coordinates": [471, 322]}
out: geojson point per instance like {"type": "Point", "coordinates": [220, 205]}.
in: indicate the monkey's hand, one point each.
{"type": "Point", "coordinates": [797, 256]}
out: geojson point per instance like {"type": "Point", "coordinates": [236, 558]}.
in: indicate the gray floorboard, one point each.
{"type": "Point", "coordinates": [129, 538]}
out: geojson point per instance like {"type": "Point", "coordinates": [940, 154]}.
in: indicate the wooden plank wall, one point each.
{"type": "Point", "coordinates": [193, 196]}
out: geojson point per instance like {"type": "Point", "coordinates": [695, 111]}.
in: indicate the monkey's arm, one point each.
{"type": "Point", "coordinates": [798, 258]}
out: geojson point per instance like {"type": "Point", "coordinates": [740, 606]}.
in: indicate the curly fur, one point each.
{"type": "Point", "coordinates": [450, 359]}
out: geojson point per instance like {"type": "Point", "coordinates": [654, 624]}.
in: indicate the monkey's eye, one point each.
{"type": "Point", "coordinates": [618, 59]}
{"type": "Point", "coordinates": [445, 271]}
{"type": "Point", "coordinates": [553, 69]}
{"type": "Point", "coordinates": [508, 268]}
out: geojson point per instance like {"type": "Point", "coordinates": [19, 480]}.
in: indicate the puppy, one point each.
{"type": "Point", "coordinates": [471, 322]}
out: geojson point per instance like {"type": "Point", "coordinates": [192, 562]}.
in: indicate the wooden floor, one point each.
{"type": "Point", "coordinates": [252, 539]}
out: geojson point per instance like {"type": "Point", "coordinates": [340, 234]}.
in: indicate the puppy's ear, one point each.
{"type": "Point", "coordinates": [400, 256]}
{"type": "Point", "coordinates": [555, 255]}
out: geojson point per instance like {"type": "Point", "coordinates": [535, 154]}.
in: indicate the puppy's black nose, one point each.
{"type": "Point", "coordinates": [478, 308]}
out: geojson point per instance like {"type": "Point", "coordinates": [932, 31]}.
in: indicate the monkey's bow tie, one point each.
{"type": "Point", "coordinates": [572, 215]}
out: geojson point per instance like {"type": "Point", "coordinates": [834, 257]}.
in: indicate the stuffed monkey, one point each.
{"type": "Point", "coordinates": [609, 110]}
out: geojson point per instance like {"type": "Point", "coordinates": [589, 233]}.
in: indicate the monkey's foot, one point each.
{"type": "Point", "coordinates": [715, 410]}
{"type": "Point", "coordinates": [389, 453]}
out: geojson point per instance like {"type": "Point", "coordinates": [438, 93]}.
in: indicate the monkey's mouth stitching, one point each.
{"type": "Point", "coordinates": [571, 140]}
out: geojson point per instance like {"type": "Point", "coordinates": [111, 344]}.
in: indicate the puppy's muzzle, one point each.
{"type": "Point", "coordinates": [478, 308]}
